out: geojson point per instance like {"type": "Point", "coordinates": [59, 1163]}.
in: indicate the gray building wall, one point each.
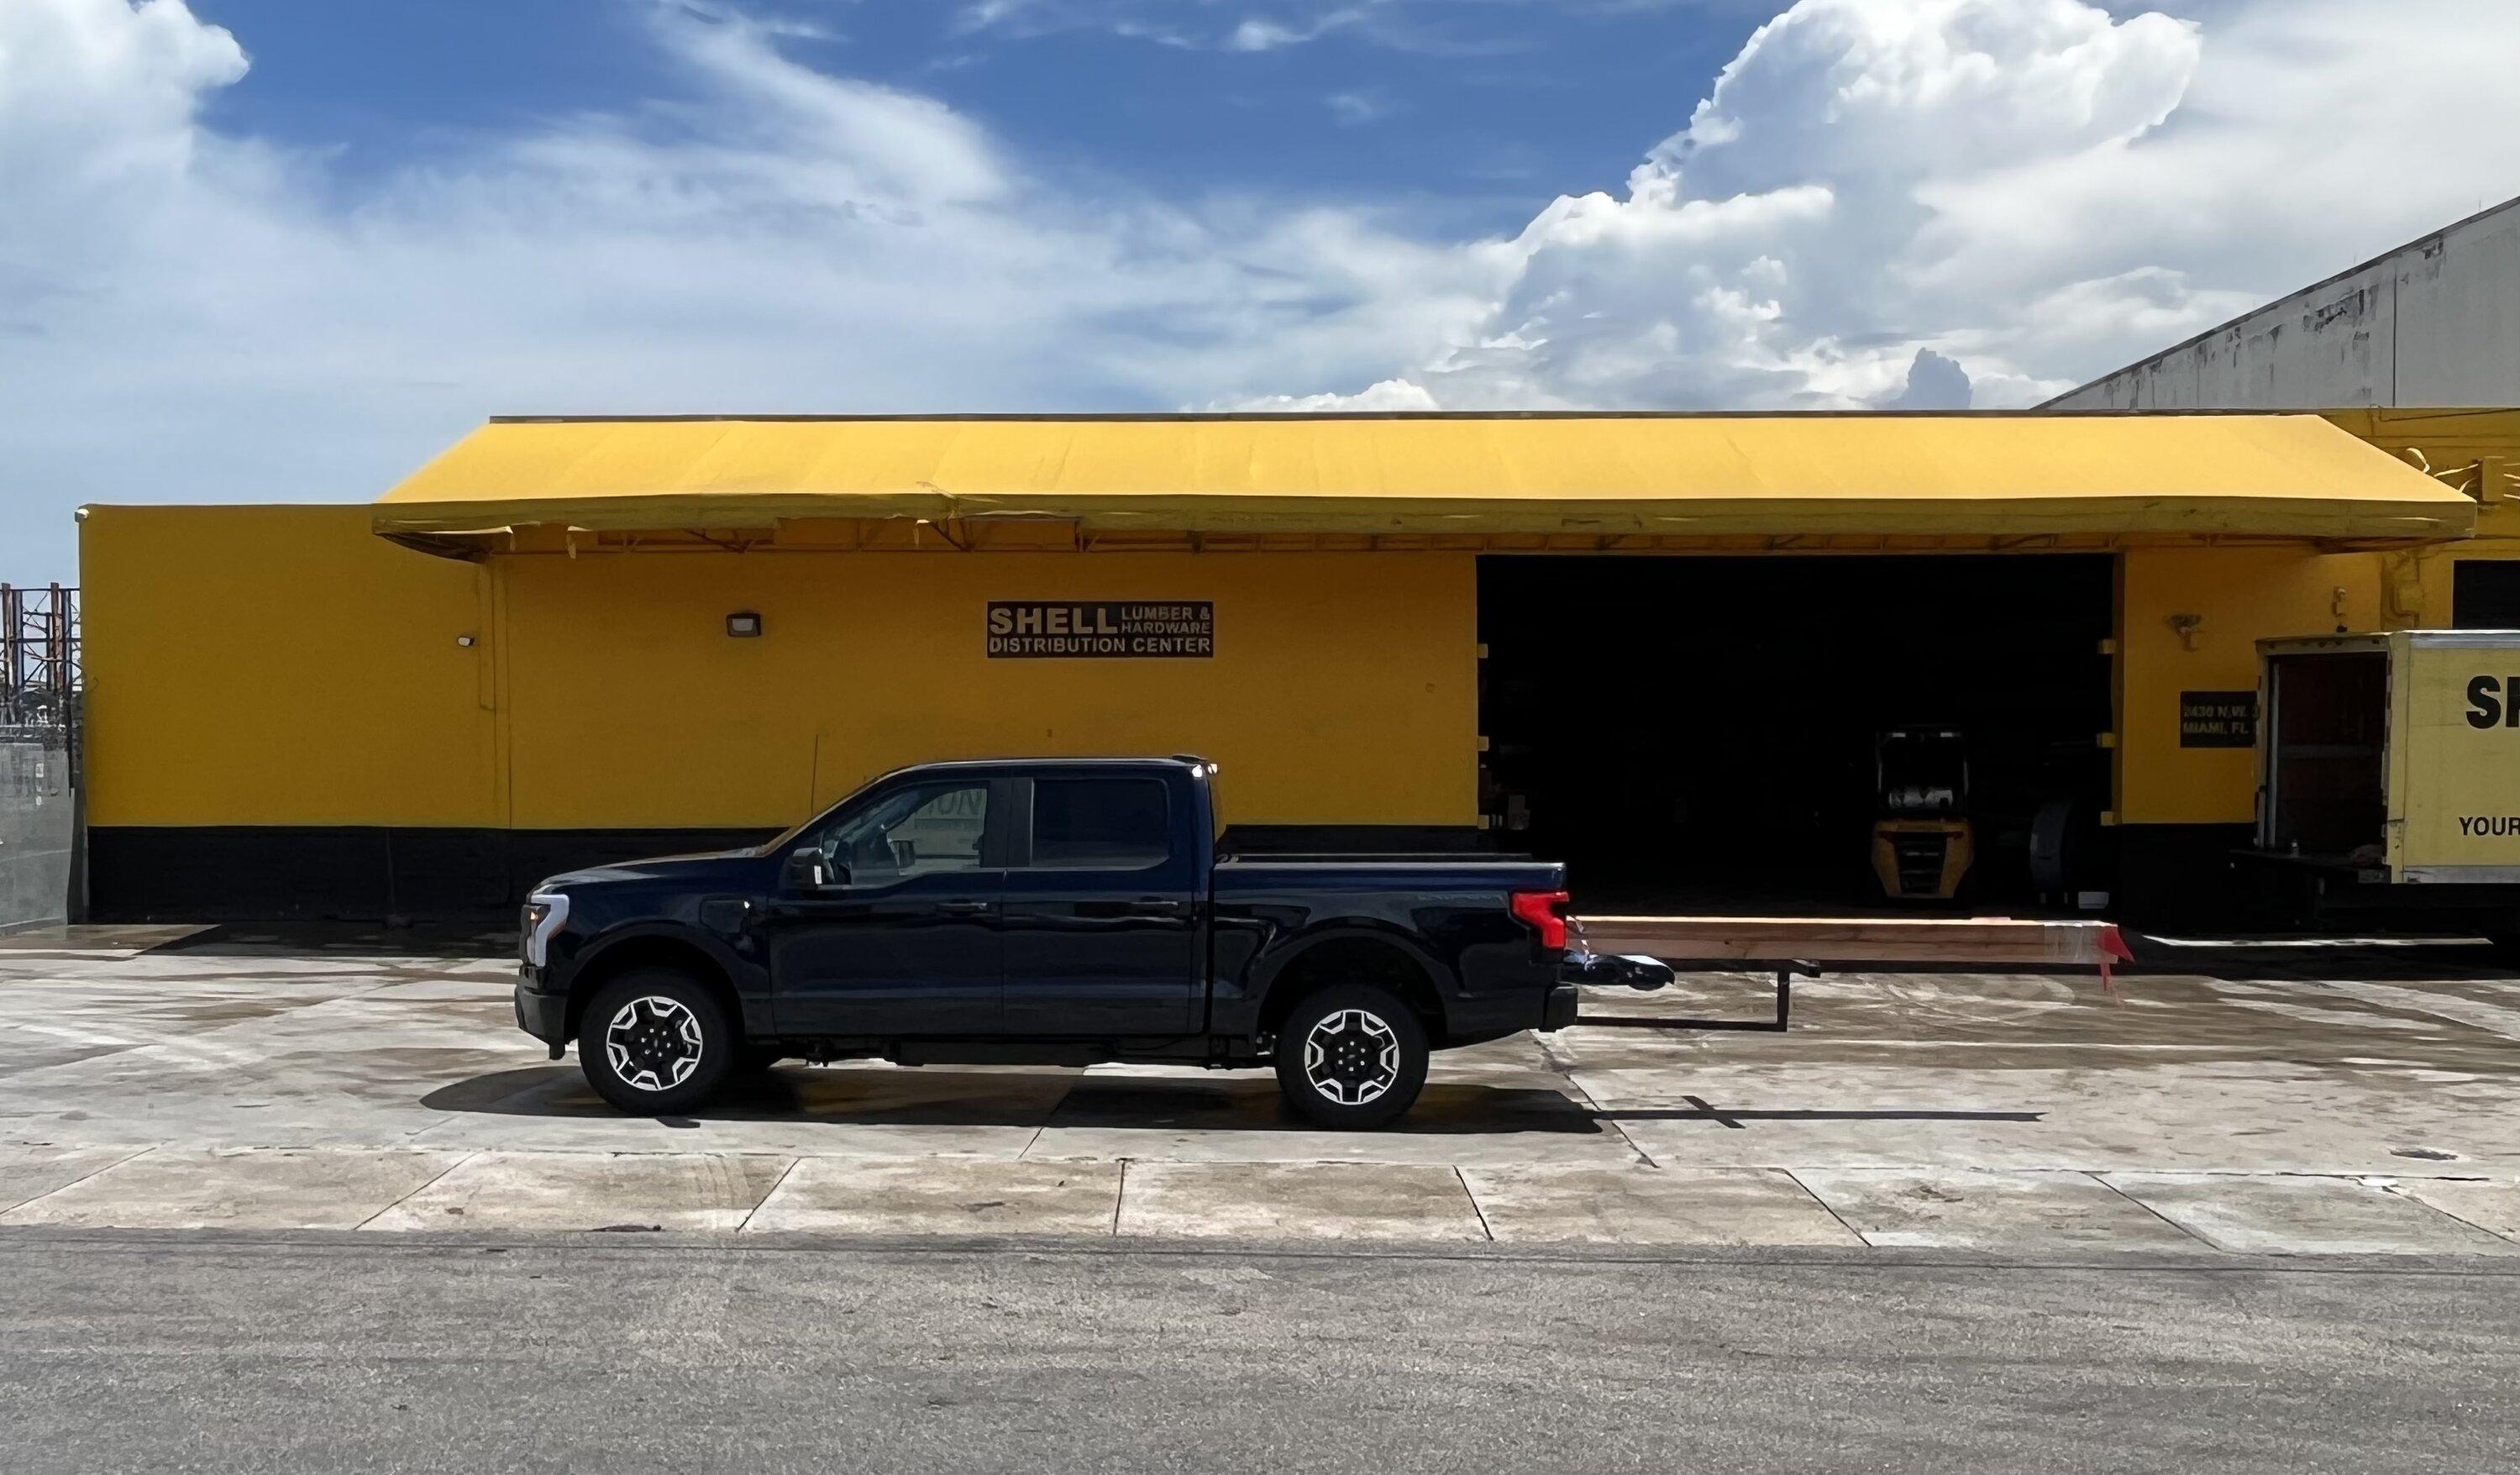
{"type": "Point", "coordinates": [2432, 324]}
{"type": "Point", "coordinates": [38, 827]}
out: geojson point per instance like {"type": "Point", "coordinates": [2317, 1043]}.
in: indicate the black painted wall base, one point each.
{"type": "Point", "coordinates": [255, 872]}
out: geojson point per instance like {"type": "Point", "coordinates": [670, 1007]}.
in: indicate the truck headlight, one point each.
{"type": "Point", "coordinates": [545, 914]}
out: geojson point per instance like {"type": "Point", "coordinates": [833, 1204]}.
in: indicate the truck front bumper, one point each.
{"type": "Point", "coordinates": [545, 1017]}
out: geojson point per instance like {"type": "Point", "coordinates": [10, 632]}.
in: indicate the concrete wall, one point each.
{"type": "Point", "coordinates": [37, 827]}
{"type": "Point", "coordinates": [2435, 322]}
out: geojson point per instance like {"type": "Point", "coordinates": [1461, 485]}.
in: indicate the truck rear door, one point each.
{"type": "Point", "coordinates": [1101, 906]}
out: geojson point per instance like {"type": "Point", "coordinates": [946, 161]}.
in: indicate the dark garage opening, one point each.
{"type": "Point", "coordinates": [2484, 594]}
{"type": "Point", "coordinates": [1702, 733]}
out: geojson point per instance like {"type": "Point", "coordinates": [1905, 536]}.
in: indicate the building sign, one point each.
{"type": "Point", "coordinates": [1122, 628]}
{"type": "Point", "coordinates": [2218, 719]}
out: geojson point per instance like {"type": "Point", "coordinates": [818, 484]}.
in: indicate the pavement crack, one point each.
{"type": "Point", "coordinates": [1475, 1206]}
{"type": "Point", "coordinates": [746, 1222]}
{"type": "Point", "coordinates": [417, 1189]}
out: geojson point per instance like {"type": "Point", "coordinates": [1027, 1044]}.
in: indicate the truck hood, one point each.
{"type": "Point", "coordinates": [698, 869]}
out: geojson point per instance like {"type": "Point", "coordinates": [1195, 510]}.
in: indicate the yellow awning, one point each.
{"type": "Point", "coordinates": [1990, 475]}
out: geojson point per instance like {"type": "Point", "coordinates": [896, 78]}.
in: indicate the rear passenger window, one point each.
{"type": "Point", "coordinates": [1110, 824]}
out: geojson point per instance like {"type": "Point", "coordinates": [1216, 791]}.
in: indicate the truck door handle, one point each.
{"type": "Point", "coordinates": [965, 908]}
{"type": "Point", "coordinates": [1154, 908]}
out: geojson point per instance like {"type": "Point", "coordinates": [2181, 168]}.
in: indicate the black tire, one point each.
{"type": "Point", "coordinates": [1352, 1057]}
{"type": "Point", "coordinates": [661, 1018]}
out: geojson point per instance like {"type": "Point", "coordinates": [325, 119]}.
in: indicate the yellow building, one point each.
{"type": "Point", "coordinates": [1658, 645]}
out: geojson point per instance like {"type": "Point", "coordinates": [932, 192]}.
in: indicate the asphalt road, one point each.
{"type": "Point", "coordinates": [304, 1352]}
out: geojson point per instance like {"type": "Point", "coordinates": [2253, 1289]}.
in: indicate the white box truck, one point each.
{"type": "Point", "coordinates": [2389, 776]}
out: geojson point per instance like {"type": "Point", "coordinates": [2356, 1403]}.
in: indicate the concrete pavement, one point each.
{"type": "Point", "coordinates": [2049, 1211]}
{"type": "Point", "coordinates": [222, 1352]}
{"type": "Point", "coordinates": [2324, 1102]}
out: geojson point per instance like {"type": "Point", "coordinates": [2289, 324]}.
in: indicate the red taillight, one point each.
{"type": "Point", "coordinates": [1540, 910]}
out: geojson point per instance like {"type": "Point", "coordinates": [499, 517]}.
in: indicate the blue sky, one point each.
{"type": "Point", "coordinates": [1476, 112]}
{"type": "Point", "coordinates": [284, 250]}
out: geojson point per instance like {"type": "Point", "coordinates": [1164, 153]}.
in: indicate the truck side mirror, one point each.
{"type": "Point", "coordinates": [809, 870]}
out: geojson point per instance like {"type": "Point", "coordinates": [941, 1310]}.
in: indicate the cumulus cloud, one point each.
{"type": "Point", "coordinates": [2029, 191]}
{"type": "Point", "coordinates": [97, 104]}
{"type": "Point", "coordinates": [1934, 382]}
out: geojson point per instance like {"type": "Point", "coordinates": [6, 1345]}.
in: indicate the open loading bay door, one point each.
{"type": "Point", "coordinates": [1781, 733]}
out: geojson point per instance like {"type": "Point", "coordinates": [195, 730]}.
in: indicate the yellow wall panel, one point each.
{"type": "Point", "coordinates": [2238, 597]}
{"type": "Point", "coordinates": [281, 665]}
{"type": "Point", "coordinates": [1344, 688]}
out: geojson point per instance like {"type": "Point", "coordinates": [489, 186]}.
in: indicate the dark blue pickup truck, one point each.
{"type": "Point", "coordinates": [1040, 911]}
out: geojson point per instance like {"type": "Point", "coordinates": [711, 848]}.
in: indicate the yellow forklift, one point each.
{"type": "Point", "coordinates": [1922, 843]}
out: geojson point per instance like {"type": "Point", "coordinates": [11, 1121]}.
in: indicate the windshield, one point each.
{"type": "Point", "coordinates": [794, 835]}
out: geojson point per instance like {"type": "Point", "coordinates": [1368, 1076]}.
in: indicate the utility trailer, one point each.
{"type": "Point", "coordinates": [2389, 779]}
{"type": "Point", "coordinates": [1645, 953]}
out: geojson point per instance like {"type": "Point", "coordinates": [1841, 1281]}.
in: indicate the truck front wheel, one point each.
{"type": "Point", "coordinates": [654, 1042]}
{"type": "Point", "coordinates": [1353, 1056]}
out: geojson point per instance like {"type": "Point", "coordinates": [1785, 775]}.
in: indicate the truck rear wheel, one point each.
{"type": "Point", "coordinates": [655, 1041]}
{"type": "Point", "coordinates": [1352, 1055]}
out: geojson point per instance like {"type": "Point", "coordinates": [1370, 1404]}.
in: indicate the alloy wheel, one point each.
{"type": "Point", "coordinates": [1352, 1057]}
{"type": "Point", "coordinates": [654, 1043]}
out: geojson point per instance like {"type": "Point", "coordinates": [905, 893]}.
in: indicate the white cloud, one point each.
{"type": "Point", "coordinates": [1356, 108]}
{"type": "Point", "coordinates": [1388, 396]}
{"type": "Point", "coordinates": [2031, 191]}
{"type": "Point", "coordinates": [1260, 33]}
{"type": "Point", "coordinates": [96, 114]}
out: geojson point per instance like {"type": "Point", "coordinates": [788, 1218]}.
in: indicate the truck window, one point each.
{"type": "Point", "coordinates": [1103, 824]}
{"type": "Point", "coordinates": [915, 832]}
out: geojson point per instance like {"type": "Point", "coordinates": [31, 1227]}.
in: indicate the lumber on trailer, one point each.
{"type": "Point", "coordinates": [1977, 940]}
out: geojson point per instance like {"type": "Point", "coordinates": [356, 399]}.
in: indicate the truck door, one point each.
{"type": "Point", "coordinates": [1102, 908]}
{"type": "Point", "coordinates": [905, 942]}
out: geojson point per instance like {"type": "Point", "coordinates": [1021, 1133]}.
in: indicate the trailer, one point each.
{"type": "Point", "coordinates": [1646, 953]}
{"type": "Point", "coordinates": [2389, 779]}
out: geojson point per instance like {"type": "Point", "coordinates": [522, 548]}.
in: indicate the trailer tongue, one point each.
{"type": "Point", "coordinates": [1646, 952]}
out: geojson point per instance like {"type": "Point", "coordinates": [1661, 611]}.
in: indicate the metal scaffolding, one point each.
{"type": "Point", "coordinates": [39, 657]}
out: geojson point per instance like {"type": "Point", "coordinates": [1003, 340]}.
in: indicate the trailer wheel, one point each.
{"type": "Point", "coordinates": [654, 1042]}
{"type": "Point", "coordinates": [1352, 1057]}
